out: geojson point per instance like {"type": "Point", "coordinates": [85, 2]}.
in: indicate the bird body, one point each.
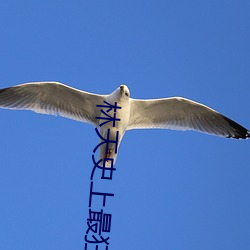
{"type": "Point", "coordinates": [122, 113]}
{"type": "Point", "coordinates": [166, 113]}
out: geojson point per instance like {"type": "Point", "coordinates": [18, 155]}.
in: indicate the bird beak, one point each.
{"type": "Point", "coordinates": [122, 88]}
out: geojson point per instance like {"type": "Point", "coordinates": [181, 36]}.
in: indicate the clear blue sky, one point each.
{"type": "Point", "coordinates": [173, 190]}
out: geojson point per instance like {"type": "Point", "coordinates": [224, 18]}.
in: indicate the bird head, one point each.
{"type": "Point", "coordinates": [124, 91]}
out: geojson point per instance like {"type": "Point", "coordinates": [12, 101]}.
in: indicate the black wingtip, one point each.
{"type": "Point", "coordinates": [3, 90]}
{"type": "Point", "coordinates": [239, 131]}
{"type": "Point", "coordinates": [248, 134]}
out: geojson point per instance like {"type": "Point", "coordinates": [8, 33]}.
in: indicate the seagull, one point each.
{"type": "Point", "coordinates": [176, 113]}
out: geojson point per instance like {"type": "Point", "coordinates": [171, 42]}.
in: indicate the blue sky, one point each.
{"type": "Point", "coordinates": [172, 190]}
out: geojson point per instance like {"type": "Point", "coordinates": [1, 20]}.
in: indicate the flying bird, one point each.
{"type": "Point", "coordinates": [175, 113]}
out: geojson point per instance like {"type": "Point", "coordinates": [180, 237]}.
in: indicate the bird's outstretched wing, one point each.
{"type": "Point", "coordinates": [182, 114]}
{"type": "Point", "coordinates": [53, 98]}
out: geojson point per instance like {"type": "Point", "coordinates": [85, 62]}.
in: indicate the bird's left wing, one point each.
{"type": "Point", "coordinates": [182, 114]}
{"type": "Point", "coordinates": [53, 98]}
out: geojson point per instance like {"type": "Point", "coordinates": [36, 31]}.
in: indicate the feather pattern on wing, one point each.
{"type": "Point", "coordinates": [182, 114]}
{"type": "Point", "coordinates": [53, 98]}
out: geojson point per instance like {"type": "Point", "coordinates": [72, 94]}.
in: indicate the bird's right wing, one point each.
{"type": "Point", "coordinates": [182, 114]}
{"type": "Point", "coordinates": [53, 98]}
